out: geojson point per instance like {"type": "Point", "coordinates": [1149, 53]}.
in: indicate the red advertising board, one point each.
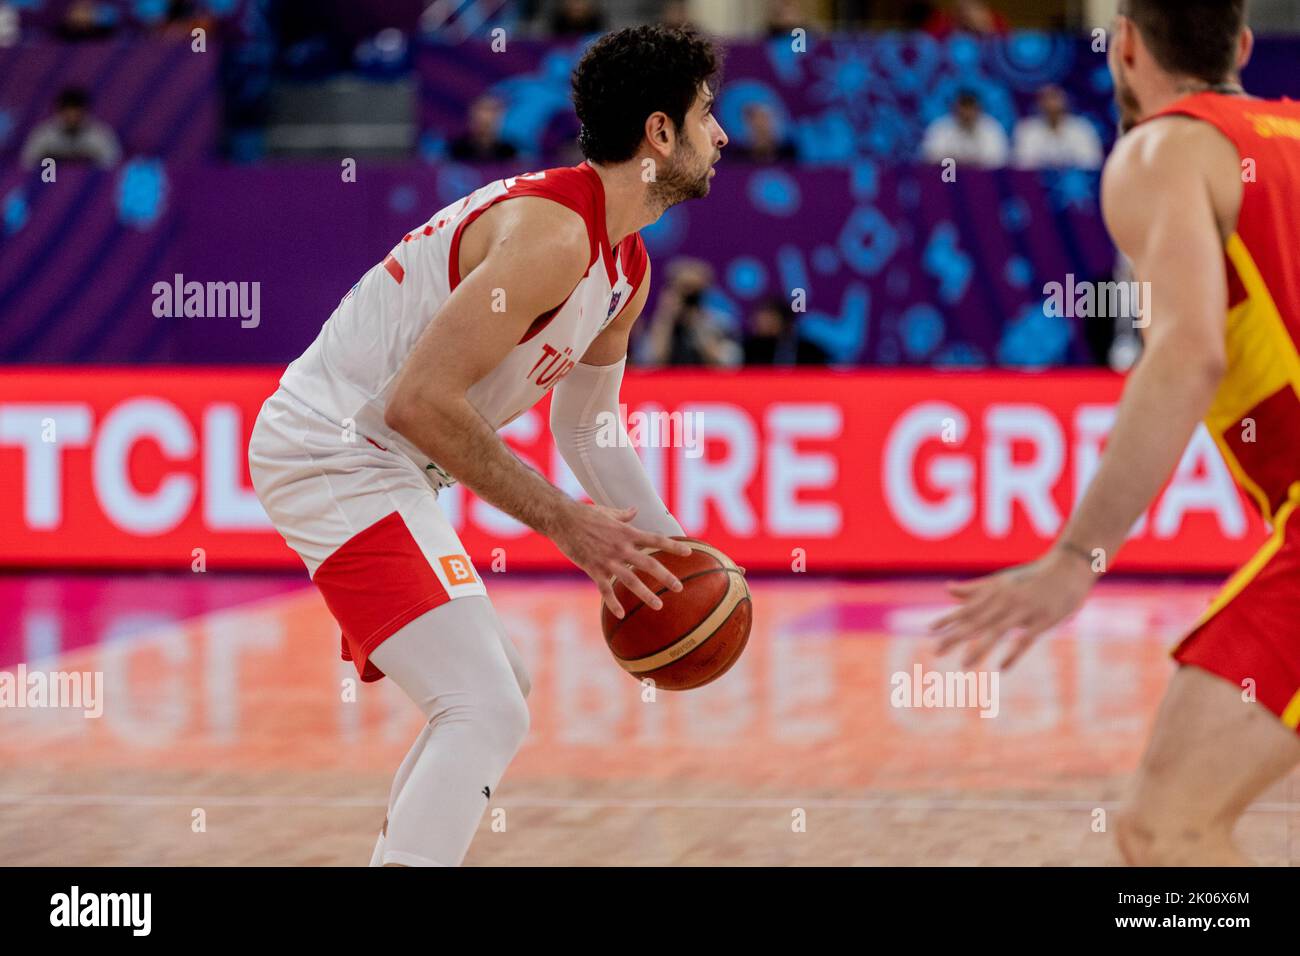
{"type": "Point", "coordinates": [822, 470]}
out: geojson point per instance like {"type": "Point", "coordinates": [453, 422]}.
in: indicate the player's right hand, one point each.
{"type": "Point", "coordinates": [605, 544]}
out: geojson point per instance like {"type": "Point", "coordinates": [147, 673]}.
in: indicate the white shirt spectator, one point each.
{"type": "Point", "coordinates": [1072, 143]}
{"type": "Point", "coordinates": [984, 144]}
{"type": "Point", "coordinates": [92, 141]}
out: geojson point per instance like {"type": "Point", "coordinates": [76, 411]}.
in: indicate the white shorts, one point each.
{"type": "Point", "coordinates": [364, 520]}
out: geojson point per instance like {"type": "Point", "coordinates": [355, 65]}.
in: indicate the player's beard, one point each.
{"type": "Point", "coordinates": [1130, 111]}
{"type": "Point", "coordinates": [685, 176]}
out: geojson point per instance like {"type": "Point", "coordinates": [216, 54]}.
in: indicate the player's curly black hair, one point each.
{"type": "Point", "coordinates": [629, 74]}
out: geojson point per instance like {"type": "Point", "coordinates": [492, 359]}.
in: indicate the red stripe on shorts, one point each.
{"type": "Point", "coordinates": [375, 584]}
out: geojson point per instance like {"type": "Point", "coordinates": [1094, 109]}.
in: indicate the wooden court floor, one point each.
{"type": "Point", "coordinates": [237, 737]}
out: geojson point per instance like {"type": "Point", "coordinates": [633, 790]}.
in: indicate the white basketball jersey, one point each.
{"type": "Point", "coordinates": [346, 375]}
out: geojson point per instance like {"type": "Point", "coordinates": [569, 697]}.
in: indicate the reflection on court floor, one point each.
{"type": "Point", "coordinates": [238, 737]}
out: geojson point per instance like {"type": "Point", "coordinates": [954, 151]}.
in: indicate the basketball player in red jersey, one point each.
{"type": "Point", "coordinates": [1202, 193]}
{"type": "Point", "coordinates": [530, 284]}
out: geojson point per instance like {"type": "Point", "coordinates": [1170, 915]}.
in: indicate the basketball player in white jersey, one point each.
{"type": "Point", "coordinates": [527, 285]}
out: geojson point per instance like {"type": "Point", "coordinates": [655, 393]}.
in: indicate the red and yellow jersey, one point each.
{"type": "Point", "coordinates": [1255, 418]}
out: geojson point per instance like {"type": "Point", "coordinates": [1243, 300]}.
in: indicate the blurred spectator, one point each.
{"type": "Point", "coordinates": [774, 339]}
{"type": "Point", "coordinates": [10, 30]}
{"type": "Point", "coordinates": [683, 330]}
{"type": "Point", "coordinates": [761, 142]}
{"type": "Point", "coordinates": [482, 142]}
{"type": "Point", "coordinates": [917, 14]}
{"type": "Point", "coordinates": [783, 16]}
{"type": "Point", "coordinates": [72, 135]}
{"type": "Point", "coordinates": [86, 20]}
{"type": "Point", "coordinates": [1055, 138]}
{"type": "Point", "coordinates": [184, 16]}
{"type": "Point", "coordinates": [676, 14]}
{"type": "Point", "coordinates": [968, 135]}
{"type": "Point", "coordinates": [577, 18]}
{"type": "Point", "coordinates": [966, 16]}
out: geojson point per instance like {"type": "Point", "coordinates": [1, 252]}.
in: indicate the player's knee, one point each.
{"type": "Point", "coordinates": [1167, 835]}
{"type": "Point", "coordinates": [1134, 839]}
{"type": "Point", "coordinates": [510, 720]}
{"type": "Point", "coordinates": [497, 718]}
{"type": "Point", "coordinates": [525, 682]}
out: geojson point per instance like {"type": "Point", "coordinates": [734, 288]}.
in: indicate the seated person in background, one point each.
{"type": "Point", "coordinates": [482, 141]}
{"type": "Point", "coordinates": [1056, 139]}
{"type": "Point", "coordinates": [784, 16]}
{"type": "Point", "coordinates": [577, 18]}
{"type": "Point", "coordinates": [86, 21]}
{"type": "Point", "coordinates": [184, 16]}
{"type": "Point", "coordinates": [676, 13]}
{"type": "Point", "coordinates": [966, 16]}
{"type": "Point", "coordinates": [761, 141]}
{"type": "Point", "coordinates": [773, 338]}
{"type": "Point", "coordinates": [684, 331]}
{"type": "Point", "coordinates": [72, 135]}
{"type": "Point", "coordinates": [968, 135]}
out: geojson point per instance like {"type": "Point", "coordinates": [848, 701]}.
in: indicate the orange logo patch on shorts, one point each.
{"type": "Point", "coordinates": [458, 569]}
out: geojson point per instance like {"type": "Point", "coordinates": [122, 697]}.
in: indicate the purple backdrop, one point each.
{"type": "Point", "coordinates": [898, 268]}
{"type": "Point", "coordinates": [160, 97]}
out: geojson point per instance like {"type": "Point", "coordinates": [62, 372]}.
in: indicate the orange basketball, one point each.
{"type": "Point", "coordinates": [699, 632]}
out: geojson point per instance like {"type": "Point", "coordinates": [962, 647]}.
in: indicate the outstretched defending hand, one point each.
{"type": "Point", "coordinates": [1028, 599]}
{"type": "Point", "coordinates": [604, 543]}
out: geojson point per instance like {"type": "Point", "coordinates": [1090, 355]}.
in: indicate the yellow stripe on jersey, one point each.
{"type": "Point", "coordinates": [1291, 715]}
{"type": "Point", "coordinates": [1262, 359]}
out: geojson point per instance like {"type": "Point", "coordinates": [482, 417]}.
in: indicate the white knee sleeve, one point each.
{"type": "Point", "coordinates": [453, 665]}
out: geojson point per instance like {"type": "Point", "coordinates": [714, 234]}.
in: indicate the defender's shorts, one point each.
{"type": "Point", "coordinates": [1252, 630]}
{"type": "Point", "coordinates": [364, 520]}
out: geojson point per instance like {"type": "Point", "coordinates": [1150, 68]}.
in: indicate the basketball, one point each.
{"type": "Point", "coordinates": [697, 635]}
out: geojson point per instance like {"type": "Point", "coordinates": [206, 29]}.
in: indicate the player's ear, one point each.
{"type": "Point", "coordinates": [1245, 46]}
{"type": "Point", "coordinates": [1125, 40]}
{"type": "Point", "coordinates": [659, 131]}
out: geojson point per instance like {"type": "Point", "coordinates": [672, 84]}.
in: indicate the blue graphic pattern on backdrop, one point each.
{"type": "Point", "coordinates": [844, 99]}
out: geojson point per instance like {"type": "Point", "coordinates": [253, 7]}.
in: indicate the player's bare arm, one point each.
{"type": "Point", "coordinates": [527, 255]}
{"type": "Point", "coordinates": [1169, 199]}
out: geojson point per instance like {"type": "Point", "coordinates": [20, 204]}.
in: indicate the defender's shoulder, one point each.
{"type": "Point", "coordinates": [1165, 142]}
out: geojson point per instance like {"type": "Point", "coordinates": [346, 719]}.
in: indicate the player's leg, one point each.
{"type": "Point", "coordinates": [1211, 754]}
{"type": "Point", "coordinates": [1226, 730]}
{"type": "Point", "coordinates": [396, 577]}
{"type": "Point", "coordinates": [404, 771]}
{"type": "Point", "coordinates": [452, 663]}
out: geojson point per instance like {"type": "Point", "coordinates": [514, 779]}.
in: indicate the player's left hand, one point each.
{"type": "Point", "coordinates": [1027, 600]}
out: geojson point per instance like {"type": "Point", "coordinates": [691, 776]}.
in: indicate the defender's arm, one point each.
{"type": "Point", "coordinates": [1159, 208]}
{"type": "Point", "coordinates": [1166, 208]}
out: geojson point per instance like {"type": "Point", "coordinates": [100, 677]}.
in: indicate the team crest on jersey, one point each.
{"type": "Point", "coordinates": [615, 299]}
